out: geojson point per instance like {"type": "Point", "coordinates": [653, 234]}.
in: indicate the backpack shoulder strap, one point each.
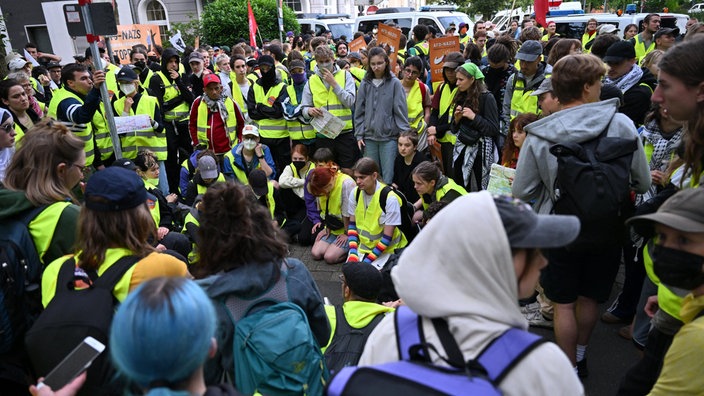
{"type": "Point", "coordinates": [357, 194]}
{"type": "Point", "coordinates": [278, 292]}
{"type": "Point", "coordinates": [117, 270]}
{"type": "Point", "coordinates": [449, 344]}
{"type": "Point", "coordinates": [342, 326]}
{"type": "Point", "coordinates": [65, 276]}
{"type": "Point", "coordinates": [31, 214]}
{"type": "Point", "coordinates": [409, 334]}
{"type": "Point", "coordinates": [383, 196]}
{"type": "Point", "coordinates": [506, 351]}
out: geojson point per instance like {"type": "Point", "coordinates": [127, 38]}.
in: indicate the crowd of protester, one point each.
{"type": "Point", "coordinates": [230, 169]}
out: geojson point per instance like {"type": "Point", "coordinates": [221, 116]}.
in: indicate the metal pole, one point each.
{"type": "Point", "coordinates": [108, 48]}
{"type": "Point", "coordinates": [281, 20]}
{"type": "Point", "coordinates": [107, 111]}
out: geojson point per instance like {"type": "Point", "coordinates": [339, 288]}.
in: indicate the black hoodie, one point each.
{"type": "Point", "coordinates": [156, 85]}
{"type": "Point", "coordinates": [636, 101]}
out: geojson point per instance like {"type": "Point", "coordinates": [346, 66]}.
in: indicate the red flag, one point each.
{"type": "Point", "coordinates": [253, 25]}
{"type": "Point", "coordinates": [541, 9]}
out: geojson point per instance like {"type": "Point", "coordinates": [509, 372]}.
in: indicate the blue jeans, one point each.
{"type": "Point", "coordinates": [384, 154]}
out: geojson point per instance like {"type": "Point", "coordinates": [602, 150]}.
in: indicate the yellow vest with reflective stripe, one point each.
{"type": "Point", "coordinates": [327, 99]}
{"type": "Point", "coordinates": [641, 51]}
{"type": "Point", "coordinates": [171, 91]}
{"type": "Point", "coordinates": [270, 201]}
{"type": "Point", "coordinates": [193, 256]}
{"type": "Point", "coordinates": [237, 94]}
{"type": "Point", "coordinates": [268, 128]}
{"type": "Point", "coordinates": [586, 39]}
{"type": "Point", "coordinates": [416, 111]}
{"type": "Point", "coordinates": [335, 205]}
{"type": "Point", "coordinates": [148, 139]}
{"type": "Point", "coordinates": [447, 96]}
{"type": "Point", "coordinates": [442, 191]}
{"type": "Point", "coordinates": [240, 174]}
{"type": "Point", "coordinates": [43, 227]}
{"type": "Point", "coordinates": [368, 227]}
{"type": "Point", "coordinates": [83, 131]}
{"type": "Point", "coordinates": [202, 189]}
{"type": "Point", "coordinates": [203, 127]}
{"type": "Point", "coordinates": [522, 101]}
{"type": "Point", "coordinates": [102, 133]}
{"type": "Point", "coordinates": [296, 129]}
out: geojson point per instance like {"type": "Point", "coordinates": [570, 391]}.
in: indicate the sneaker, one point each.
{"type": "Point", "coordinates": [610, 318]}
{"type": "Point", "coordinates": [582, 370]}
{"type": "Point", "coordinates": [536, 319]}
{"type": "Point", "coordinates": [625, 332]}
{"type": "Point", "coordinates": [532, 307]}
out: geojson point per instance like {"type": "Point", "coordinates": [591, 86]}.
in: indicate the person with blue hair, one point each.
{"type": "Point", "coordinates": [161, 336]}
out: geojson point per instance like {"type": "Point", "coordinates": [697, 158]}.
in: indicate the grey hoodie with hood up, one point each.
{"type": "Point", "coordinates": [536, 170]}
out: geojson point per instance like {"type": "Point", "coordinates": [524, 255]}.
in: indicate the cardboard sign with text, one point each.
{"type": "Point", "coordinates": [129, 35]}
{"type": "Point", "coordinates": [390, 36]}
{"type": "Point", "coordinates": [357, 44]}
{"type": "Point", "coordinates": [440, 47]}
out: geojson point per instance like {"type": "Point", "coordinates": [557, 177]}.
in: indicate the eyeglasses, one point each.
{"type": "Point", "coordinates": [82, 168]}
{"type": "Point", "coordinates": [411, 72]}
{"type": "Point", "coordinates": [7, 127]}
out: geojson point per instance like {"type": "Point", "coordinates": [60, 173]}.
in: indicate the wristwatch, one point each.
{"type": "Point", "coordinates": [260, 156]}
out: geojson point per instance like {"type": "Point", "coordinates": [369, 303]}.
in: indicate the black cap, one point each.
{"type": "Point", "coordinates": [674, 32]}
{"type": "Point", "coordinates": [266, 60]}
{"type": "Point", "coordinates": [126, 74]}
{"type": "Point", "coordinates": [125, 163]}
{"type": "Point", "coordinates": [52, 65]}
{"type": "Point", "coordinates": [114, 189]}
{"type": "Point", "coordinates": [620, 51]}
{"type": "Point", "coordinates": [363, 279]}
{"type": "Point", "coordinates": [259, 182]}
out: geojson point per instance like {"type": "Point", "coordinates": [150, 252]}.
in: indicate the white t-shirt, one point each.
{"type": "Point", "coordinates": [392, 217]}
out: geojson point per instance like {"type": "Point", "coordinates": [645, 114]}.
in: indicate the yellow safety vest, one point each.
{"type": "Point", "coordinates": [268, 128]}
{"type": "Point", "coordinates": [416, 111]}
{"type": "Point", "coordinates": [203, 132]}
{"type": "Point", "coordinates": [43, 227]}
{"type": "Point", "coordinates": [326, 98]}
{"type": "Point", "coordinates": [464, 40]}
{"type": "Point", "coordinates": [641, 51]}
{"type": "Point", "coordinates": [442, 191]}
{"type": "Point", "coordinates": [202, 189]}
{"type": "Point", "coordinates": [102, 133]}
{"type": "Point", "coordinates": [154, 209]}
{"type": "Point", "coordinates": [283, 74]}
{"type": "Point", "coordinates": [522, 101]}
{"type": "Point", "coordinates": [111, 79]}
{"type": "Point", "coordinates": [240, 174]}
{"type": "Point", "coordinates": [237, 94]}
{"type": "Point", "coordinates": [296, 129]}
{"type": "Point", "coordinates": [171, 91]}
{"type": "Point", "coordinates": [335, 205]}
{"type": "Point", "coordinates": [586, 39]}
{"type": "Point", "coordinates": [270, 201]}
{"type": "Point", "coordinates": [447, 96]}
{"type": "Point", "coordinates": [368, 227]}
{"type": "Point", "coordinates": [193, 256]}
{"type": "Point", "coordinates": [358, 74]}
{"type": "Point", "coordinates": [83, 131]}
{"type": "Point", "coordinates": [423, 47]}
{"type": "Point", "coordinates": [402, 55]}
{"type": "Point", "coordinates": [149, 139]}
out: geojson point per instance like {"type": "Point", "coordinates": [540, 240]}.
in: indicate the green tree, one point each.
{"type": "Point", "coordinates": [224, 21]}
{"type": "Point", "coordinates": [189, 30]}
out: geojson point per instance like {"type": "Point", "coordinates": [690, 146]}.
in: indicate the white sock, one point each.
{"type": "Point", "coordinates": [581, 351]}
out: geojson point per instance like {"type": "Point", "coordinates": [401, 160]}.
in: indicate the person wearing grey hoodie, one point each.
{"type": "Point", "coordinates": [575, 281]}
{"type": "Point", "coordinates": [381, 113]}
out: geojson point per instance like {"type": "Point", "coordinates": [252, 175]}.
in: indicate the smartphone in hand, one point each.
{"type": "Point", "coordinates": [74, 364]}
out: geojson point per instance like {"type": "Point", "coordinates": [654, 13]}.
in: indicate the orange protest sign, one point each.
{"type": "Point", "coordinates": [440, 47]}
{"type": "Point", "coordinates": [390, 36]}
{"type": "Point", "coordinates": [357, 44]}
{"type": "Point", "coordinates": [129, 35]}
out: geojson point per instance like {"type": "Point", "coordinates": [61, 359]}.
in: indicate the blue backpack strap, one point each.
{"type": "Point", "coordinates": [409, 332]}
{"type": "Point", "coordinates": [506, 351]}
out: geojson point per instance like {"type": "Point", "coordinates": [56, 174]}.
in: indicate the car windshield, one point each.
{"type": "Point", "coordinates": [341, 29]}
{"type": "Point", "coordinates": [456, 19]}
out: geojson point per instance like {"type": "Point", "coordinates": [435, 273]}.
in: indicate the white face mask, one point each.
{"type": "Point", "coordinates": [127, 89]}
{"type": "Point", "coordinates": [326, 65]}
{"type": "Point", "coordinates": [249, 144]}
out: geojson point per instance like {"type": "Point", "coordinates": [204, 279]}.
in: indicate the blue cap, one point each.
{"type": "Point", "coordinates": [114, 189]}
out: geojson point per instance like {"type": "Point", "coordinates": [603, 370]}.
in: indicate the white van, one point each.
{"type": "Point", "coordinates": [337, 24]}
{"type": "Point", "coordinates": [573, 26]}
{"type": "Point", "coordinates": [439, 17]}
{"type": "Point", "coordinates": [697, 8]}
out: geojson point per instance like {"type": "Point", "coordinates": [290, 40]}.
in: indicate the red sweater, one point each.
{"type": "Point", "coordinates": [218, 140]}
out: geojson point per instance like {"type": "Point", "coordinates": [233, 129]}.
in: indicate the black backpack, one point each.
{"type": "Point", "coordinates": [20, 273]}
{"type": "Point", "coordinates": [593, 183]}
{"type": "Point", "coordinates": [408, 227]}
{"type": "Point", "coordinates": [71, 316]}
{"type": "Point", "coordinates": [347, 343]}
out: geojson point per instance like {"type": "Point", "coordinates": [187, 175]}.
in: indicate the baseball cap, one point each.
{"type": "Point", "coordinates": [195, 56]}
{"type": "Point", "coordinates": [354, 55]}
{"type": "Point", "coordinates": [607, 28]}
{"type": "Point", "coordinates": [526, 229]}
{"type": "Point", "coordinates": [126, 74]}
{"type": "Point", "coordinates": [210, 78]}
{"type": "Point", "coordinates": [545, 86]}
{"type": "Point", "coordinates": [530, 51]}
{"type": "Point", "coordinates": [289, 34]}
{"type": "Point", "coordinates": [363, 279]}
{"type": "Point", "coordinates": [52, 65]}
{"type": "Point", "coordinates": [463, 24]}
{"type": "Point", "coordinates": [674, 32]}
{"type": "Point", "coordinates": [250, 130]}
{"type": "Point", "coordinates": [296, 63]}
{"type": "Point", "coordinates": [16, 64]}
{"type": "Point", "coordinates": [266, 60]}
{"type": "Point", "coordinates": [453, 60]}
{"type": "Point", "coordinates": [225, 48]}
{"type": "Point", "coordinates": [252, 61]}
{"type": "Point", "coordinates": [114, 189]}
{"type": "Point", "coordinates": [683, 211]}
{"type": "Point", "coordinates": [620, 51]}
{"type": "Point", "coordinates": [207, 167]}
{"type": "Point", "coordinates": [258, 182]}
{"type": "Point", "coordinates": [125, 163]}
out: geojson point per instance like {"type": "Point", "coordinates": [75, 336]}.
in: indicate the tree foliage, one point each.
{"type": "Point", "coordinates": [225, 21]}
{"type": "Point", "coordinates": [189, 30]}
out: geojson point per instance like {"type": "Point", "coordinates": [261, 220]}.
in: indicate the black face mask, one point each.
{"type": "Point", "coordinates": [153, 59]}
{"type": "Point", "coordinates": [299, 164]}
{"type": "Point", "coordinates": [678, 268]}
{"type": "Point", "coordinates": [141, 65]}
{"type": "Point", "coordinates": [269, 78]}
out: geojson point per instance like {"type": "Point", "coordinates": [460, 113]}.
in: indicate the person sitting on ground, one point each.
{"type": "Point", "coordinates": [206, 174]}
{"type": "Point", "coordinates": [292, 181]}
{"type": "Point", "coordinates": [247, 156]}
{"type": "Point", "coordinates": [361, 283]}
{"type": "Point", "coordinates": [432, 186]}
{"type": "Point", "coordinates": [481, 280]}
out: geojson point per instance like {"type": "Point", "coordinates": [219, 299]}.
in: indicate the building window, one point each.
{"type": "Point", "coordinates": [154, 13]}
{"type": "Point", "coordinates": [295, 5]}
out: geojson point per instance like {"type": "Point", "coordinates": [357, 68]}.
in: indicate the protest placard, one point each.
{"type": "Point", "coordinates": [440, 47]}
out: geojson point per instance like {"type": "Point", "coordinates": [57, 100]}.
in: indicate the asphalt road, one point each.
{"type": "Point", "coordinates": [609, 355]}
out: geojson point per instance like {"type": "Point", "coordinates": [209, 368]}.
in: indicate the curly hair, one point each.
{"type": "Point", "coordinates": [510, 150]}
{"type": "Point", "coordinates": [235, 230]}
